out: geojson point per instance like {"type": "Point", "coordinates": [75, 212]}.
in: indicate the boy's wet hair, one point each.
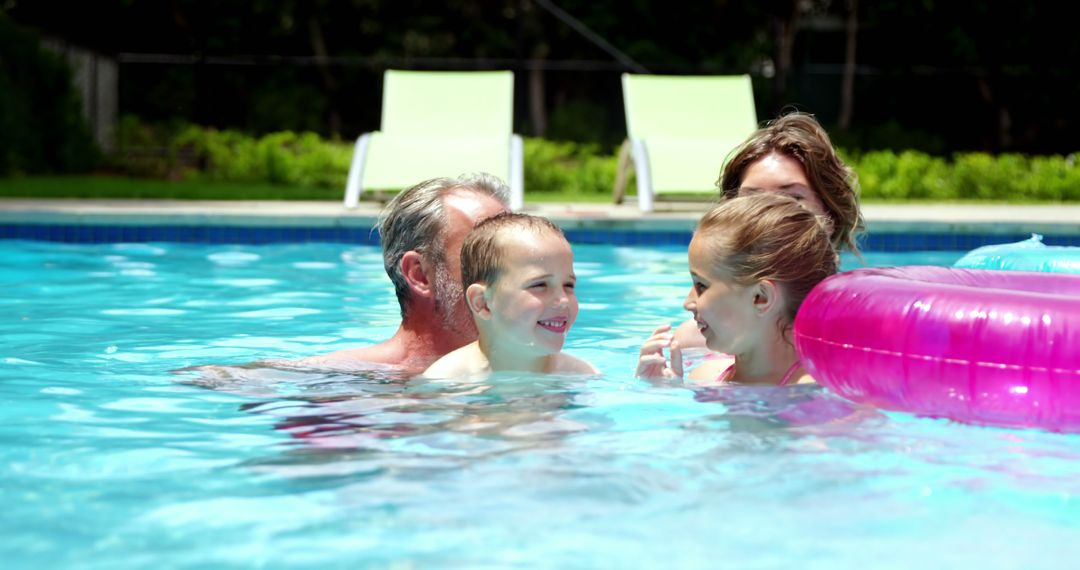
{"type": "Point", "coordinates": [770, 237]}
{"type": "Point", "coordinates": [482, 253]}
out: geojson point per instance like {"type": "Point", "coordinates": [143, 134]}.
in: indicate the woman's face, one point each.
{"type": "Point", "coordinates": [784, 175]}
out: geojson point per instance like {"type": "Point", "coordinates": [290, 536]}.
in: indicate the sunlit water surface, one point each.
{"type": "Point", "coordinates": [110, 459]}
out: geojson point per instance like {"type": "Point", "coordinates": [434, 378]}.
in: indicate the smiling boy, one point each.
{"type": "Point", "coordinates": [519, 271]}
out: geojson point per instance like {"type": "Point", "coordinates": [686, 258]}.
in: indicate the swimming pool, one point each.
{"type": "Point", "coordinates": [112, 460]}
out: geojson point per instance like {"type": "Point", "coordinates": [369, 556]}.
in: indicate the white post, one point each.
{"type": "Point", "coordinates": [356, 171]}
{"type": "Point", "coordinates": [517, 173]}
{"type": "Point", "coordinates": [643, 174]}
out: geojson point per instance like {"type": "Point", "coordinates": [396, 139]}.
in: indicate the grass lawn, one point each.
{"type": "Point", "coordinates": [122, 187]}
{"type": "Point", "coordinates": [143, 188]}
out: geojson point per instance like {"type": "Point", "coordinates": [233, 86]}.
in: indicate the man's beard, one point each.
{"type": "Point", "coordinates": [450, 306]}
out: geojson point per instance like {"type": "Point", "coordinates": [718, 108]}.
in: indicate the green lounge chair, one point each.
{"type": "Point", "coordinates": [437, 124]}
{"type": "Point", "coordinates": [681, 129]}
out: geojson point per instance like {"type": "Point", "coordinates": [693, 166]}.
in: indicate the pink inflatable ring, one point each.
{"type": "Point", "coordinates": [980, 346]}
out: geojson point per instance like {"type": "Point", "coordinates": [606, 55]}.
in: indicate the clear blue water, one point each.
{"type": "Point", "coordinates": [112, 460]}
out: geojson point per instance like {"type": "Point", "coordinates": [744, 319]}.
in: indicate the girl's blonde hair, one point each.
{"type": "Point", "coordinates": [769, 237]}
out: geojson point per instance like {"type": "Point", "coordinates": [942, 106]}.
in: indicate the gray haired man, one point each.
{"type": "Point", "coordinates": [422, 230]}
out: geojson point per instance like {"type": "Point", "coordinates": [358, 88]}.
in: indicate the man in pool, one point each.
{"type": "Point", "coordinates": [422, 230]}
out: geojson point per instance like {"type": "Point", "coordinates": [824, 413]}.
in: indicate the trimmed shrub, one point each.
{"type": "Point", "coordinates": [189, 152]}
{"type": "Point", "coordinates": [911, 174]}
{"type": "Point", "coordinates": [554, 166]}
{"type": "Point", "coordinates": [969, 176]}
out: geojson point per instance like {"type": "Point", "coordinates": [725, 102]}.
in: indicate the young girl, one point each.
{"type": "Point", "coordinates": [752, 260]}
{"type": "Point", "coordinates": [793, 156]}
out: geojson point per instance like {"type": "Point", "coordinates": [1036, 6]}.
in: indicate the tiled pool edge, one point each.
{"type": "Point", "coordinates": [898, 229]}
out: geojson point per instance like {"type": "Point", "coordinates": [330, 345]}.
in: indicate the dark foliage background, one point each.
{"type": "Point", "coordinates": [933, 75]}
{"type": "Point", "coordinates": [41, 125]}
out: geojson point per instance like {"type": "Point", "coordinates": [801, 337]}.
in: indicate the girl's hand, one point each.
{"type": "Point", "coordinates": [651, 361]}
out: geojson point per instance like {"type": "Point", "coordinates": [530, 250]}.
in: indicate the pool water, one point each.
{"type": "Point", "coordinates": [113, 456]}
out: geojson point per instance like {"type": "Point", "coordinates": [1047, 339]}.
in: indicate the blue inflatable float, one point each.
{"type": "Point", "coordinates": [1028, 255]}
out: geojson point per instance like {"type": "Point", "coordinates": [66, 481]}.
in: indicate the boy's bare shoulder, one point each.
{"type": "Point", "coordinates": [573, 365]}
{"type": "Point", "coordinates": [445, 367]}
{"type": "Point", "coordinates": [461, 362]}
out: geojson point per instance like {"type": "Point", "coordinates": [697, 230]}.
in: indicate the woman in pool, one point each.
{"type": "Point", "coordinates": [753, 259]}
{"type": "Point", "coordinates": [792, 156]}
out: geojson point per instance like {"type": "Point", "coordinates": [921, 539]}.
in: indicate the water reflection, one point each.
{"type": "Point", "coordinates": [349, 426]}
{"type": "Point", "coordinates": [363, 421]}
{"type": "Point", "coordinates": [760, 408]}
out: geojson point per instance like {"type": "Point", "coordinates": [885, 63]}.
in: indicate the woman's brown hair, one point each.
{"type": "Point", "coordinates": [800, 136]}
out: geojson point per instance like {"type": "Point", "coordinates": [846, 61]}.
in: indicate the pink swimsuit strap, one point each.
{"type": "Point", "coordinates": [790, 372]}
{"type": "Point", "coordinates": [783, 381]}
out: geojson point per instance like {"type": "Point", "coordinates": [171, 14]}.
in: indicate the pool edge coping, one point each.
{"type": "Point", "coordinates": [991, 219]}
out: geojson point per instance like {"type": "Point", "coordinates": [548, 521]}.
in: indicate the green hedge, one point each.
{"type": "Point", "coordinates": [193, 153]}
{"type": "Point", "coordinates": [552, 166]}
{"type": "Point", "coordinates": [187, 152]}
{"type": "Point", "coordinates": [912, 175]}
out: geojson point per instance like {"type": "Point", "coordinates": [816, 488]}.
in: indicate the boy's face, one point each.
{"type": "Point", "coordinates": [532, 303]}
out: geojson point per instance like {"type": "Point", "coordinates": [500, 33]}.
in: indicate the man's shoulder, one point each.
{"type": "Point", "coordinates": [375, 356]}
